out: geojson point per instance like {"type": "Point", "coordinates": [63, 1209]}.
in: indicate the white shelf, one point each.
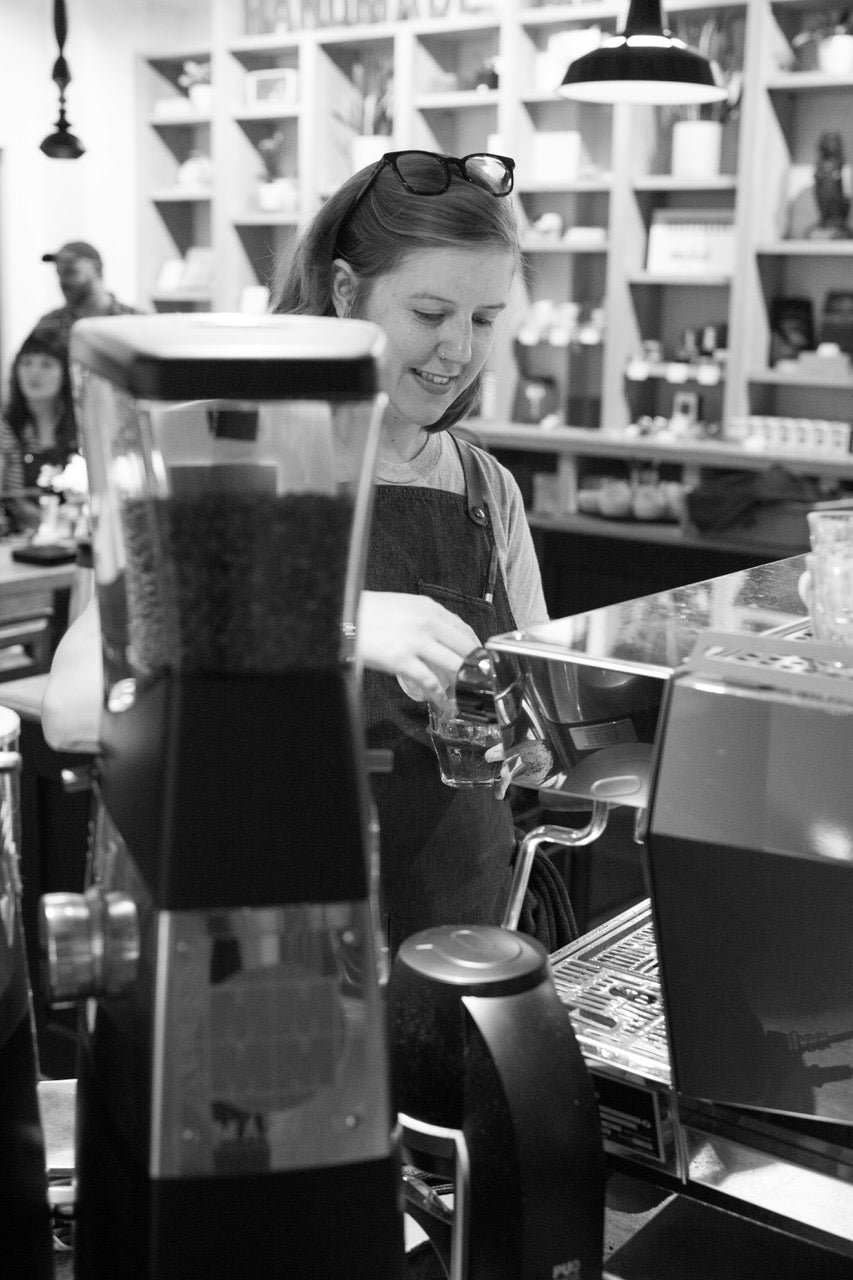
{"type": "Point", "coordinates": [715, 280]}
{"type": "Point", "coordinates": [563, 14]}
{"type": "Point", "coordinates": [359, 34]}
{"type": "Point", "coordinates": [271, 111]}
{"type": "Point", "coordinates": [806, 248]}
{"type": "Point", "coordinates": [560, 246]}
{"type": "Point", "coordinates": [178, 119]}
{"type": "Point", "coordinates": [666, 182]}
{"type": "Point", "coordinates": [457, 100]}
{"type": "Point", "coordinates": [553, 186]}
{"type": "Point", "coordinates": [261, 218]}
{"type": "Point", "coordinates": [275, 42]}
{"type": "Point", "coordinates": [720, 454]}
{"type": "Point", "coordinates": [806, 82]}
{"type": "Point", "coordinates": [182, 296]}
{"type": "Point", "coordinates": [773, 378]}
{"type": "Point", "coordinates": [456, 24]}
{"type": "Point", "coordinates": [659, 371]}
{"type": "Point", "coordinates": [182, 195]}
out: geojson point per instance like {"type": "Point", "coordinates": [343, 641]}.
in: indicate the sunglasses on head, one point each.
{"type": "Point", "coordinates": [426, 173]}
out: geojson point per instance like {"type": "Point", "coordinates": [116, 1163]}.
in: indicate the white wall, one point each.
{"type": "Point", "coordinates": [46, 202]}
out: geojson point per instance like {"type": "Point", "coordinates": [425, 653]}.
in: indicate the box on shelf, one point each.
{"type": "Point", "coordinates": [556, 154]}
{"type": "Point", "coordinates": [191, 274]}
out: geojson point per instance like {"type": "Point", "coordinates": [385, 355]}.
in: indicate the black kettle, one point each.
{"type": "Point", "coordinates": [496, 1108]}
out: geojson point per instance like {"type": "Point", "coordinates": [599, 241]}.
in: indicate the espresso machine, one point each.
{"type": "Point", "coordinates": [233, 1098]}
{"type": "Point", "coordinates": [25, 1230]}
{"type": "Point", "coordinates": [715, 1015]}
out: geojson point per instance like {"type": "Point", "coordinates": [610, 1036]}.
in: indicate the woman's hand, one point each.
{"type": "Point", "coordinates": [415, 639]}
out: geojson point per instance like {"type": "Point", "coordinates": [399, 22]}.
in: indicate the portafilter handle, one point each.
{"type": "Point", "coordinates": [481, 699]}
{"type": "Point", "coordinates": [475, 688]}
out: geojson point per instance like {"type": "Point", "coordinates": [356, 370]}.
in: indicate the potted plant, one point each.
{"type": "Point", "coordinates": [195, 78]}
{"type": "Point", "coordinates": [826, 42]}
{"type": "Point", "coordinates": [275, 192]}
{"type": "Point", "coordinates": [697, 131]}
{"type": "Point", "coordinates": [370, 111]}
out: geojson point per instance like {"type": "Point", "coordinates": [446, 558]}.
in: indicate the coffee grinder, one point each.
{"type": "Point", "coordinates": [233, 1094]}
{"type": "Point", "coordinates": [496, 1107]}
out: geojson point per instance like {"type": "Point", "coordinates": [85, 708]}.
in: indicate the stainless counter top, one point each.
{"type": "Point", "coordinates": [654, 634]}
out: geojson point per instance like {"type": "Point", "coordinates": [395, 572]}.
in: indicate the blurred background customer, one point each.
{"type": "Point", "coordinates": [37, 427]}
{"type": "Point", "coordinates": [80, 270]}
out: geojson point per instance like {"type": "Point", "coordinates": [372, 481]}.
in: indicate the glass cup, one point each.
{"type": "Point", "coordinates": [460, 748]}
{"type": "Point", "coordinates": [831, 567]}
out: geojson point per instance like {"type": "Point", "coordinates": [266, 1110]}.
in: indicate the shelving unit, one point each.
{"type": "Point", "coordinates": [468, 81]}
{"type": "Point", "coordinates": [175, 217]}
{"type": "Point", "coordinates": [793, 109]}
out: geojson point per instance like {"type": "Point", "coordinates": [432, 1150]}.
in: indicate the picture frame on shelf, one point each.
{"type": "Point", "coordinates": [691, 242]}
{"type": "Point", "coordinates": [278, 86]}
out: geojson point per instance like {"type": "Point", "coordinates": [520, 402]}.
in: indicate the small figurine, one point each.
{"type": "Point", "coordinates": [833, 205]}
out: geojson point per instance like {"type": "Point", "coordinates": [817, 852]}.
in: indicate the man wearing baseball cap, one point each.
{"type": "Point", "coordinates": [80, 270]}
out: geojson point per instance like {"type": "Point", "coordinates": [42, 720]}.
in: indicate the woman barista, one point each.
{"type": "Point", "coordinates": [426, 247]}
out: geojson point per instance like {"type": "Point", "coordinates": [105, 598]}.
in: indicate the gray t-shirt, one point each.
{"type": "Point", "coordinates": [437, 466]}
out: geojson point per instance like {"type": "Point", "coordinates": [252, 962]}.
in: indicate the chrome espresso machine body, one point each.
{"type": "Point", "coordinates": [715, 1017]}
{"type": "Point", "coordinates": [233, 1094]}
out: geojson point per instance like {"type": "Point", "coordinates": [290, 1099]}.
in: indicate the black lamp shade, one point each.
{"type": "Point", "coordinates": [62, 145]}
{"type": "Point", "coordinates": [644, 64]}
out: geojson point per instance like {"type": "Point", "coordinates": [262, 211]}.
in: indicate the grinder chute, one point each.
{"type": "Point", "coordinates": [233, 1098]}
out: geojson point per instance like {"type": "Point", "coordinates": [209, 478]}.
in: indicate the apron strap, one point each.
{"type": "Point", "coordinates": [475, 491]}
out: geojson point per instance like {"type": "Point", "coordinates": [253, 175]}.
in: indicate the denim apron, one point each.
{"type": "Point", "coordinates": [444, 853]}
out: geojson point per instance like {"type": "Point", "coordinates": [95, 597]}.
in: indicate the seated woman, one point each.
{"type": "Point", "coordinates": [37, 427]}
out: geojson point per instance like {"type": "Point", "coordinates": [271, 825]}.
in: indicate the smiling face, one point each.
{"type": "Point", "coordinates": [439, 310]}
{"type": "Point", "coordinates": [39, 376]}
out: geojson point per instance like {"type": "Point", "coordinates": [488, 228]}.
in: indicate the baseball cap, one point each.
{"type": "Point", "coordinates": [75, 249]}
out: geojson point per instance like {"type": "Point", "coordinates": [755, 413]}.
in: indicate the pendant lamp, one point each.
{"type": "Point", "coordinates": [645, 63]}
{"type": "Point", "coordinates": [62, 144]}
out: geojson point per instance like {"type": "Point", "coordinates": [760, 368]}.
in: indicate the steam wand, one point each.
{"type": "Point", "coordinates": [570, 837]}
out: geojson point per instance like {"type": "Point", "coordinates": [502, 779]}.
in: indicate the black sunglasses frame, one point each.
{"type": "Point", "coordinates": [391, 159]}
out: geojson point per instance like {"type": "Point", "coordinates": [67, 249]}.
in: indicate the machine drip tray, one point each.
{"type": "Point", "coordinates": [688, 1240]}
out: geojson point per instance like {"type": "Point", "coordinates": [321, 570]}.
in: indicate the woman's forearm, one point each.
{"type": "Point", "coordinates": [73, 697]}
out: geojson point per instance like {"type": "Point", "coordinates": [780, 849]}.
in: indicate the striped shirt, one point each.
{"type": "Point", "coordinates": [11, 459]}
